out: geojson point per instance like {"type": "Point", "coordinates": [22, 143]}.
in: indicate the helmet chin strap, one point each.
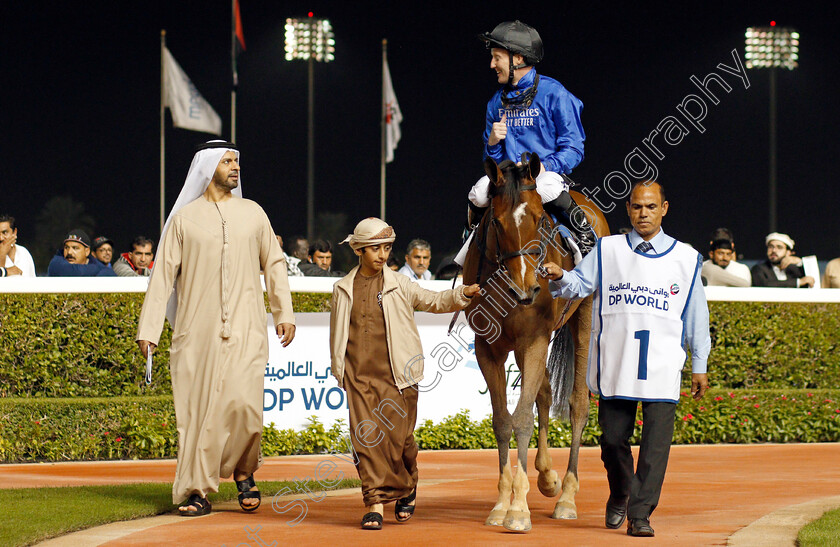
{"type": "Point", "coordinates": [513, 67]}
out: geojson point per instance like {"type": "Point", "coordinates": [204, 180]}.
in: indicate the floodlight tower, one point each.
{"type": "Point", "coordinates": [772, 48]}
{"type": "Point", "coordinates": [312, 40]}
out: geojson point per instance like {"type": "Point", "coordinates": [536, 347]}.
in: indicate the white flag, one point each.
{"type": "Point", "coordinates": [393, 115]}
{"type": "Point", "coordinates": [189, 109]}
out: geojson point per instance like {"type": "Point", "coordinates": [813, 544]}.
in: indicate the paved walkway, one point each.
{"type": "Point", "coordinates": [710, 493]}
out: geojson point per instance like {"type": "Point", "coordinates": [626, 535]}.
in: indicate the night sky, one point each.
{"type": "Point", "coordinates": [82, 91]}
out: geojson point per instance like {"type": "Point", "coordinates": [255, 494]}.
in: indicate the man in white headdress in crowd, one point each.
{"type": "Point", "coordinates": [212, 248]}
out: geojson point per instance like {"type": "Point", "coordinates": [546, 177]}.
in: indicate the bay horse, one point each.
{"type": "Point", "coordinates": [516, 312]}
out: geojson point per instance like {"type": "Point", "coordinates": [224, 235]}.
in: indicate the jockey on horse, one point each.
{"type": "Point", "coordinates": [532, 114]}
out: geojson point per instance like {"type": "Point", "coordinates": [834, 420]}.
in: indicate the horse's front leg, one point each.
{"type": "Point", "coordinates": [548, 481]}
{"type": "Point", "coordinates": [531, 363]}
{"type": "Point", "coordinates": [578, 410]}
{"type": "Point", "coordinates": [492, 367]}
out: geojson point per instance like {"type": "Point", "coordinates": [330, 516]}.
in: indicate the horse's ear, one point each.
{"type": "Point", "coordinates": [492, 170]}
{"type": "Point", "coordinates": [534, 166]}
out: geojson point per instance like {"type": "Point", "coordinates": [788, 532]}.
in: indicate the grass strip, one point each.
{"type": "Point", "coordinates": [823, 532]}
{"type": "Point", "coordinates": [31, 515]}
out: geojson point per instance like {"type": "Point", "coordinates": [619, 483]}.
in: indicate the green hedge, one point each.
{"type": "Point", "coordinates": [68, 345]}
{"type": "Point", "coordinates": [144, 427]}
{"type": "Point", "coordinates": [82, 345]}
{"type": "Point", "coordinates": [738, 416]}
{"type": "Point", "coordinates": [774, 345]}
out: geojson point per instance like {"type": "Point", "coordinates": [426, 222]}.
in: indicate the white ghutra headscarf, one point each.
{"type": "Point", "coordinates": [202, 169]}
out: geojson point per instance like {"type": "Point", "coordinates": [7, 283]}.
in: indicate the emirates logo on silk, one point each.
{"type": "Point", "coordinates": [675, 288]}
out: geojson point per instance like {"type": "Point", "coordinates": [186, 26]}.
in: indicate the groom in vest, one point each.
{"type": "Point", "coordinates": [649, 306]}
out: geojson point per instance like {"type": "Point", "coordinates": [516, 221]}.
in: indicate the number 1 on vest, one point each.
{"type": "Point", "coordinates": [643, 336]}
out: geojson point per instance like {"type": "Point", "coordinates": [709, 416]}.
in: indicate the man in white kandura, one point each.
{"type": "Point", "coordinates": [212, 249]}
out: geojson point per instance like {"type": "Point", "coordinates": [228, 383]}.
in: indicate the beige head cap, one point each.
{"type": "Point", "coordinates": [370, 231]}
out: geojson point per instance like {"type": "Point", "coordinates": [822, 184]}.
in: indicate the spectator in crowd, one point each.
{"type": "Point", "coordinates": [319, 261]}
{"type": "Point", "coordinates": [138, 262]}
{"type": "Point", "coordinates": [418, 254]}
{"type": "Point", "coordinates": [392, 261]}
{"type": "Point", "coordinates": [448, 269]}
{"type": "Point", "coordinates": [299, 248]}
{"type": "Point", "coordinates": [74, 260]}
{"type": "Point", "coordinates": [782, 268]}
{"type": "Point", "coordinates": [831, 277]}
{"type": "Point", "coordinates": [103, 250]}
{"type": "Point", "coordinates": [291, 261]}
{"type": "Point", "coordinates": [15, 260]}
{"type": "Point", "coordinates": [722, 269]}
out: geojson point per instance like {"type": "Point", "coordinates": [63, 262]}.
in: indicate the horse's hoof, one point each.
{"type": "Point", "coordinates": [517, 521]}
{"type": "Point", "coordinates": [550, 486]}
{"type": "Point", "coordinates": [564, 510]}
{"type": "Point", "coordinates": [496, 518]}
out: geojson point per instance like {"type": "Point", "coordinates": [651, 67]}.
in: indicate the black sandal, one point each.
{"type": "Point", "coordinates": [374, 517]}
{"type": "Point", "coordinates": [202, 506]}
{"type": "Point", "coordinates": [402, 506]}
{"type": "Point", "coordinates": [245, 492]}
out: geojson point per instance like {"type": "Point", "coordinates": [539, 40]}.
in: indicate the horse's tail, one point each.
{"type": "Point", "coordinates": [561, 371]}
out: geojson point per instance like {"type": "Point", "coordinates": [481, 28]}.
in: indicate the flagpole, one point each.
{"type": "Point", "coordinates": [162, 128]}
{"type": "Point", "coordinates": [382, 134]}
{"type": "Point", "coordinates": [233, 71]}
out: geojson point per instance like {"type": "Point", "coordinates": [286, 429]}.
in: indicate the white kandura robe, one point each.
{"type": "Point", "coordinates": [217, 382]}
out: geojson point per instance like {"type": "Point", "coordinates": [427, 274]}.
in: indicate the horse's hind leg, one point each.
{"type": "Point", "coordinates": [548, 482]}
{"type": "Point", "coordinates": [492, 367]}
{"type": "Point", "coordinates": [578, 411]}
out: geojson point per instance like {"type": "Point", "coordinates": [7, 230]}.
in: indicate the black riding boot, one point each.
{"type": "Point", "coordinates": [474, 214]}
{"type": "Point", "coordinates": [578, 222]}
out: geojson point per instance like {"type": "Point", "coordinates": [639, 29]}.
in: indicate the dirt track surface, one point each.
{"type": "Point", "coordinates": [710, 493]}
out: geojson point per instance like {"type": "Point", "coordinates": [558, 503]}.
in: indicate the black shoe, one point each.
{"type": "Point", "coordinates": [586, 239]}
{"type": "Point", "coordinates": [474, 215]}
{"type": "Point", "coordinates": [565, 206]}
{"type": "Point", "coordinates": [616, 513]}
{"type": "Point", "coordinates": [639, 528]}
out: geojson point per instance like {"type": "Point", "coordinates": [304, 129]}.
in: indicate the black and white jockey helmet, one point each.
{"type": "Point", "coordinates": [516, 37]}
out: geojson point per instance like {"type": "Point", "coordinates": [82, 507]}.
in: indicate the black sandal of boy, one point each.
{"type": "Point", "coordinates": [372, 521]}
{"type": "Point", "coordinates": [245, 492]}
{"type": "Point", "coordinates": [202, 506]}
{"type": "Point", "coordinates": [402, 506]}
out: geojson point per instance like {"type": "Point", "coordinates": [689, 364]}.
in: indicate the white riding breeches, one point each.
{"type": "Point", "coordinates": [549, 186]}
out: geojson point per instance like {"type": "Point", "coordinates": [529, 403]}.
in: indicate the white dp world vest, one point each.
{"type": "Point", "coordinates": [636, 345]}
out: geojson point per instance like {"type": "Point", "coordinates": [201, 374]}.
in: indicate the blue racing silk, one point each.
{"type": "Point", "coordinates": [549, 127]}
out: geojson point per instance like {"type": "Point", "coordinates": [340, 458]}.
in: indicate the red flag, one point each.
{"type": "Point", "coordinates": [240, 36]}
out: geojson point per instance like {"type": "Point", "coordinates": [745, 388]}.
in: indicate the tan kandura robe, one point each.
{"type": "Point", "coordinates": [217, 382]}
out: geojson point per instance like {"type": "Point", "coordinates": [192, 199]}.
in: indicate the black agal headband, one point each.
{"type": "Point", "coordinates": [216, 144]}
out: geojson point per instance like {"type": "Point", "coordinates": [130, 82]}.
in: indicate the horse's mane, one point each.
{"type": "Point", "coordinates": [514, 175]}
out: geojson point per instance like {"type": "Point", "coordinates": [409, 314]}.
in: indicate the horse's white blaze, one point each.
{"type": "Point", "coordinates": [519, 214]}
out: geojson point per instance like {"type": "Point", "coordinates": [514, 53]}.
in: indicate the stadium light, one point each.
{"type": "Point", "coordinates": [310, 39]}
{"type": "Point", "coordinates": [772, 48]}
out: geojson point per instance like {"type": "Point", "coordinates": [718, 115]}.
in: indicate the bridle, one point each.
{"type": "Point", "coordinates": [540, 250]}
